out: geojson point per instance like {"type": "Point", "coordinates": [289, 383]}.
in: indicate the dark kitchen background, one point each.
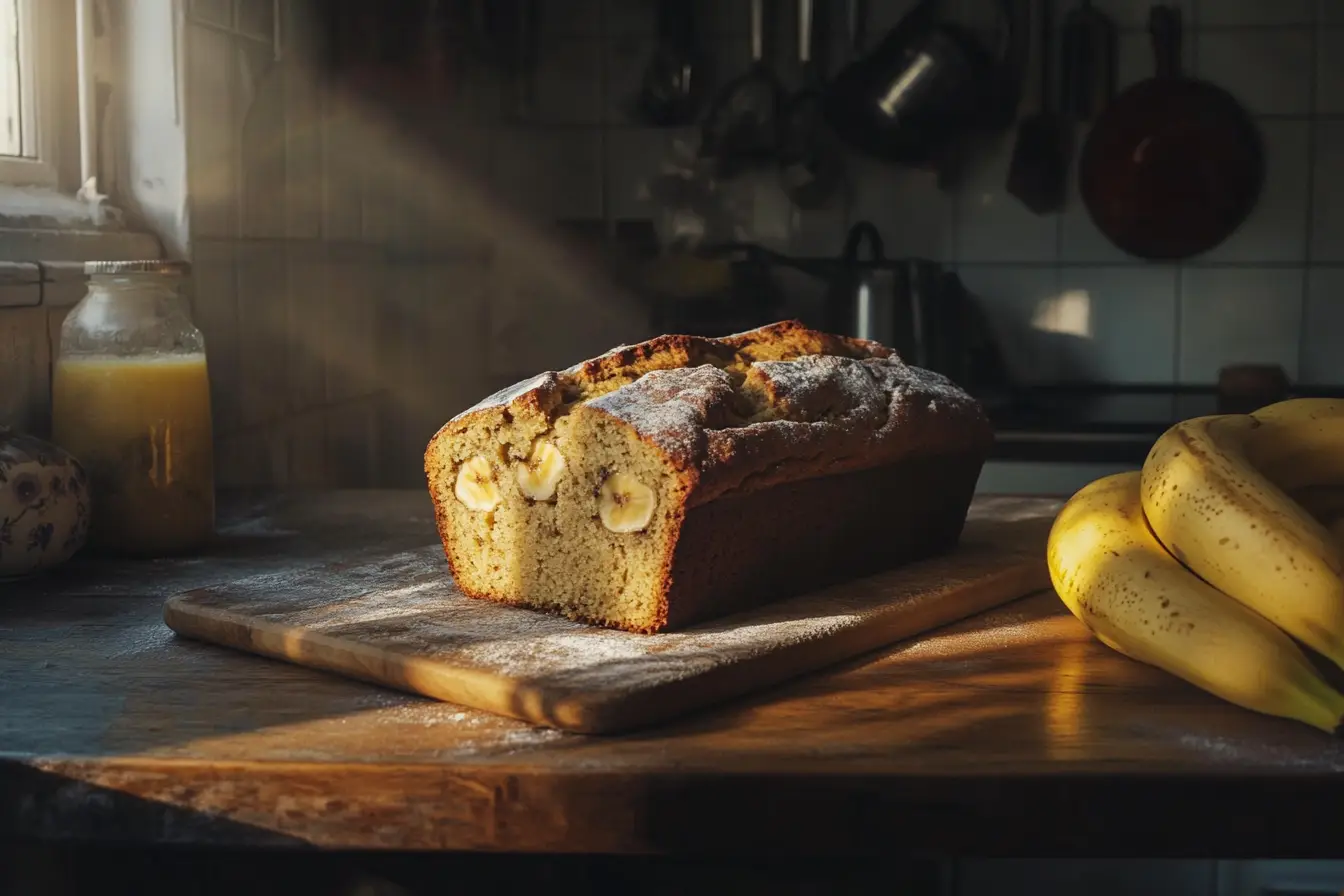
{"type": "Point", "coordinates": [395, 208]}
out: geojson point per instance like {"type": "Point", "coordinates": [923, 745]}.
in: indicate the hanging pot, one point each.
{"type": "Point", "coordinates": [927, 84]}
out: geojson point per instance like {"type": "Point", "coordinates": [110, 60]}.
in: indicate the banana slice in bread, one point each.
{"type": "Point", "coordinates": [684, 478]}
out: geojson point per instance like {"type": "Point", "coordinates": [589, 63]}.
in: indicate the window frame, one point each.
{"type": "Point", "coordinates": [49, 100]}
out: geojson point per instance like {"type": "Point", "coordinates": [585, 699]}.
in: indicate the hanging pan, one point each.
{"type": "Point", "coordinates": [1174, 165]}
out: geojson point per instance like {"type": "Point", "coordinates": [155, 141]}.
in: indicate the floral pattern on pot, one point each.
{"type": "Point", "coordinates": [44, 505]}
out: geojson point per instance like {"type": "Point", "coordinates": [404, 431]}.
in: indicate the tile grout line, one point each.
{"type": "Point", "coordinates": [1178, 322]}
{"type": "Point", "coordinates": [1309, 232]}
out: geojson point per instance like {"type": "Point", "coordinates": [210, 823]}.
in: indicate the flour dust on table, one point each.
{"type": "Point", "coordinates": [402, 622]}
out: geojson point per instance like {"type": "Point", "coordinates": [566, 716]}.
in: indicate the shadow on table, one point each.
{"type": "Point", "coordinates": [63, 837]}
{"type": "Point", "coordinates": [45, 805]}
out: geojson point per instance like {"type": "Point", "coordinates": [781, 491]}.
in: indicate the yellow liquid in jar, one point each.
{"type": "Point", "coordinates": [141, 428]}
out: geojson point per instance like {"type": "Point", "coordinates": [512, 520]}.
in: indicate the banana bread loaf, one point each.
{"type": "Point", "coordinates": [685, 478]}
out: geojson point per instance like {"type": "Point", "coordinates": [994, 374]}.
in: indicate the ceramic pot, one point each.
{"type": "Point", "coordinates": [44, 505]}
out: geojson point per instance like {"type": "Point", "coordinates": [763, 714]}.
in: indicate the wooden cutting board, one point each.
{"type": "Point", "coordinates": [401, 622]}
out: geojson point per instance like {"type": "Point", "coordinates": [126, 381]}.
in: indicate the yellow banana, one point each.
{"type": "Point", "coordinates": [1300, 448]}
{"type": "Point", "coordinates": [1299, 443]}
{"type": "Point", "coordinates": [1113, 574]}
{"type": "Point", "coordinates": [1217, 514]}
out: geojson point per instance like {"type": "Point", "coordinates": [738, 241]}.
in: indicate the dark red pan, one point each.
{"type": "Point", "coordinates": [1174, 165]}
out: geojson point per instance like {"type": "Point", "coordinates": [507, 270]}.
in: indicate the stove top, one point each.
{"type": "Point", "coordinates": [1107, 423]}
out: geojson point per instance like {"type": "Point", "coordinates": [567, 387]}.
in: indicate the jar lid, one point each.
{"type": "Point", "coordinates": [149, 266]}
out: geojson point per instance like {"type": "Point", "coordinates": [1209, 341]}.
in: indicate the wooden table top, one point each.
{"type": "Point", "coordinates": [1011, 733]}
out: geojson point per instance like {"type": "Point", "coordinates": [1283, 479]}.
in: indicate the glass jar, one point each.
{"type": "Point", "coordinates": [131, 401]}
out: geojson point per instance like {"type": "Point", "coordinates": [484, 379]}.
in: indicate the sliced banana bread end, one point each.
{"type": "Point", "coordinates": [684, 478]}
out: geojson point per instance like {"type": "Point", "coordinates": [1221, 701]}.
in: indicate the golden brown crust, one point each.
{"type": "Point", "coordinates": [755, 409]}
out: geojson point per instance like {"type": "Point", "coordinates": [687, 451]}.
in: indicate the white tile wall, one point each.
{"type": "Point", "coordinates": [1230, 315]}
{"type": "Point", "coordinates": [1149, 323]}
{"type": "Point", "coordinates": [342, 207]}
{"type": "Point", "coordinates": [307, 308]}
{"type": "Point", "coordinates": [1129, 315]}
{"type": "Point", "coordinates": [255, 18]}
{"type": "Point", "coordinates": [886, 197]}
{"type": "Point", "coordinates": [1244, 300]}
{"type": "Point", "coordinates": [303, 153]}
{"type": "Point", "coordinates": [322, 208]}
{"type": "Point", "coordinates": [1330, 71]}
{"type": "Point", "coordinates": [300, 197]}
{"type": "Point", "coordinates": [216, 12]}
{"type": "Point", "coordinates": [991, 224]}
{"type": "Point", "coordinates": [213, 128]}
{"type": "Point", "coordinates": [1323, 327]}
{"type": "Point", "coordinates": [1016, 299]}
{"type": "Point", "coordinates": [263, 289]}
{"type": "Point", "coordinates": [215, 310]}
{"type": "Point", "coordinates": [262, 157]}
{"type": "Point", "coordinates": [1269, 71]}
{"type": "Point", "coordinates": [1327, 221]}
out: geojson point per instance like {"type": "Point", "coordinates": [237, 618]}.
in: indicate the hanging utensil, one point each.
{"type": "Point", "coordinates": [1037, 175]}
{"type": "Point", "coordinates": [673, 85]}
{"type": "Point", "coordinates": [1089, 62]}
{"type": "Point", "coordinates": [927, 85]}
{"type": "Point", "coordinates": [741, 128]}
{"type": "Point", "coordinates": [1174, 165]}
{"type": "Point", "coordinates": [811, 164]}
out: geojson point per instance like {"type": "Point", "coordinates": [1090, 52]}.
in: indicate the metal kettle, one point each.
{"type": "Point", "coordinates": [891, 301]}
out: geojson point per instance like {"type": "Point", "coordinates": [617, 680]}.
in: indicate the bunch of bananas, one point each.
{"type": "Point", "coordinates": [1221, 556]}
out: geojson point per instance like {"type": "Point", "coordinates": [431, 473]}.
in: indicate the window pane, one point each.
{"type": "Point", "coordinates": [11, 133]}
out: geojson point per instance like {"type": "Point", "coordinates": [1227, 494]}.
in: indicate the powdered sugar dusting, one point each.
{"type": "Point", "coordinates": [673, 407]}
{"type": "Point", "coordinates": [811, 405]}
{"type": "Point", "coordinates": [407, 606]}
{"type": "Point", "coordinates": [510, 393]}
{"type": "Point", "coordinates": [827, 389]}
{"type": "Point", "coordinates": [815, 414]}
